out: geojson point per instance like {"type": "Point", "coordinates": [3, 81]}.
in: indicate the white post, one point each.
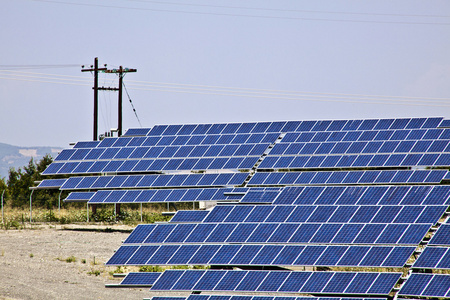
{"type": "Point", "coordinates": [141, 212]}
{"type": "Point", "coordinates": [87, 212]}
{"type": "Point", "coordinates": [2, 206]}
{"type": "Point", "coordinates": [31, 209]}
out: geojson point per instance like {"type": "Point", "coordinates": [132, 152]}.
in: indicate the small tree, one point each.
{"type": "Point", "coordinates": [20, 181]}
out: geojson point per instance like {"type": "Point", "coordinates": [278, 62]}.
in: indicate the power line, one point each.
{"type": "Point", "coordinates": [169, 85]}
{"type": "Point", "coordinates": [288, 10]}
{"type": "Point", "coordinates": [240, 15]}
{"type": "Point", "coordinates": [243, 92]}
{"type": "Point", "coordinates": [25, 67]}
{"type": "Point", "coordinates": [300, 98]}
{"type": "Point", "coordinates": [268, 91]}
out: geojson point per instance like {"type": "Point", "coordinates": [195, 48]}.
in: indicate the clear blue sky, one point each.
{"type": "Point", "coordinates": [275, 60]}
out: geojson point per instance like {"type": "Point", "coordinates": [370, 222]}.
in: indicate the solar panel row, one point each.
{"type": "Point", "coordinates": [325, 161]}
{"type": "Point", "coordinates": [283, 126]}
{"type": "Point", "coordinates": [347, 177]}
{"type": "Point", "coordinates": [263, 255]}
{"type": "Point", "coordinates": [124, 153]}
{"type": "Point", "coordinates": [286, 233]}
{"type": "Point", "coordinates": [427, 285]}
{"type": "Point", "coordinates": [154, 181]}
{"type": "Point", "coordinates": [177, 195]}
{"type": "Point", "coordinates": [366, 136]}
{"type": "Point", "coordinates": [295, 149]}
{"type": "Point", "coordinates": [325, 214]}
{"type": "Point", "coordinates": [434, 258]}
{"type": "Point", "coordinates": [257, 138]}
{"type": "Point", "coordinates": [362, 195]}
{"type": "Point", "coordinates": [236, 297]}
{"type": "Point", "coordinates": [182, 140]}
{"type": "Point", "coordinates": [163, 195]}
{"type": "Point", "coordinates": [151, 165]}
{"type": "Point", "coordinates": [273, 281]}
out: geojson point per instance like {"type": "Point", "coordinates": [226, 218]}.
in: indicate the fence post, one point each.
{"type": "Point", "coordinates": [31, 209]}
{"type": "Point", "coordinates": [2, 206]}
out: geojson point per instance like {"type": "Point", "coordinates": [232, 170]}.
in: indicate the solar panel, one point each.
{"type": "Point", "coordinates": [433, 258]}
{"type": "Point", "coordinates": [79, 197]}
{"type": "Point", "coordinates": [429, 285]}
{"type": "Point", "coordinates": [139, 279]}
{"type": "Point", "coordinates": [442, 236]}
{"type": "Point", "coordinates": [51, 183]}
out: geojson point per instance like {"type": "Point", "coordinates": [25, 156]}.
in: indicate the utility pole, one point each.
{"type": "Point", "coordinates": [121, 71]}
{"type": "Point", "coordinates": [95, 69]}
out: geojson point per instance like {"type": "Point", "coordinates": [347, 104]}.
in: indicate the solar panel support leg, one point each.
{"type": "Point", "coordinates": [141, 212]}
{"type": "Point", "coordinates": [87, 212]}
{"type": "Point", "coordinates": [59, 204]}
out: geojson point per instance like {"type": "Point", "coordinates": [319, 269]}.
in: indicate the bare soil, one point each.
{"type": "Point", "coordinates": [33, 264]}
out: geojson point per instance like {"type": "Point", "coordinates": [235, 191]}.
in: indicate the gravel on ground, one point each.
{"type": "Point", "coordinates": [35, 263]}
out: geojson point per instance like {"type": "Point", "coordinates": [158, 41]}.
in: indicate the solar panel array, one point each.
{"type": "Point", "coordinates": [221, 297]}
{"type": "Point", "coordinates": [329, 194]}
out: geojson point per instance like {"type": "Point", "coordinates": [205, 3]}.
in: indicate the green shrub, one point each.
{"type": "Point", "coordinates": [150, 269]}
{"type": "Point", "coordinates": [71, 259]}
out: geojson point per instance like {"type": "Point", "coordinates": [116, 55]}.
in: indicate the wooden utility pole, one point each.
{"type": "Point", "coordinates": [121, 71]}
{"type": "Point", "coordinates": [95, 69]}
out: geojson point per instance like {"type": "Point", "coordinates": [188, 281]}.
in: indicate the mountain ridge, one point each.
{"type": "Point", "coordinates": [19, 156]}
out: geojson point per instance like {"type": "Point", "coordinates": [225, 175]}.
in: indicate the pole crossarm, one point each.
{"type": "Point", "coordinates": [103, 88]}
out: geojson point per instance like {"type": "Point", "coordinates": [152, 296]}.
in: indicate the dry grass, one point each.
{"type": "Point", "coordinates": [19, 218]}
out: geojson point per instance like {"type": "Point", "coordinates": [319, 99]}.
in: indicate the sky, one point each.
{"type": "Point", "coordinates": [217, 61]}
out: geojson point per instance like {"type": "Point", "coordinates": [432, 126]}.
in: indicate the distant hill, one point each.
{"type": "Point", "coordinates": [17, 157]}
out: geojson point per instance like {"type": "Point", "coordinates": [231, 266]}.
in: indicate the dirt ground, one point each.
{"type": "Point", "coordinates": [33, 264]}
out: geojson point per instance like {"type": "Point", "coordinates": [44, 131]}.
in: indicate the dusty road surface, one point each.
{"type": "Point", "coordinates": [33, 264]}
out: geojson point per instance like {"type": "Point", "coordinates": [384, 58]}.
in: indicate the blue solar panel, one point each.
{"type": "Point", "coordinates": [79, 196]}
{"type": "Point", "coordinates": [431, 285]}
{"type": "Point", "coordinates": [442, 236]}
{"type": "Point", "coordinates": [140, 279]}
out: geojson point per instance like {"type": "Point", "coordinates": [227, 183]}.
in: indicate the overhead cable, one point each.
{"type": "Point", "coordinates": [287, 10]}
{"type": "Point", "coordinates": [237, 91]}
{"type": "Point", "coordinates": [240, 15]}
